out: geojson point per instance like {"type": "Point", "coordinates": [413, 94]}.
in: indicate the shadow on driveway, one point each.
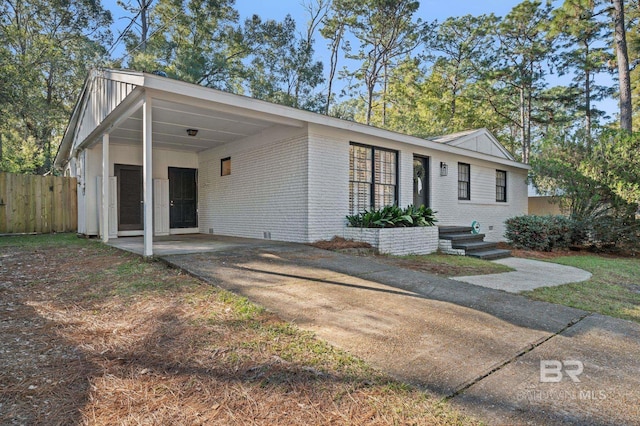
{"type": "Point", "coordinates": [446, 336]}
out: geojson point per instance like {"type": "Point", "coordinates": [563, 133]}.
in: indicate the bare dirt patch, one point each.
{"type": "Point", "coordinates": [437, 264]}
{"type": "Point", "coordinates": [90, 335]}
{"type": "Point", "coordinates": [339, 243]}
{"type": "Point", "coordinates": [445, 265]}
{"type": "Point", "coordinates": [420, 265]}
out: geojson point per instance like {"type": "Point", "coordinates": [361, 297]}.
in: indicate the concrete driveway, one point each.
{"type": "Point", "coordinates": [479, 348]}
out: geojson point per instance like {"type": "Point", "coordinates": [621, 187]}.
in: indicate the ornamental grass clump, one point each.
{"type": "Point", "coordinates": [393, 217]}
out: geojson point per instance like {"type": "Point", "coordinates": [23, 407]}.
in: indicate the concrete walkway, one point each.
{"type": "Point", "coordinates": [480, 348]}
{"type": "Point", "coordinates": [528, 275]}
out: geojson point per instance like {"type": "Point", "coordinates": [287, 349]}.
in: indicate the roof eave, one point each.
{"type": "Point", "coordinates": [164, 84]}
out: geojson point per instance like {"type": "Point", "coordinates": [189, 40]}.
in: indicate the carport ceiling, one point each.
{"type": "Point", "coordinates": [172, 119]}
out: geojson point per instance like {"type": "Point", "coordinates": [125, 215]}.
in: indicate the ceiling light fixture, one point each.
{"type": "Point", "coordinates": [192, 132]}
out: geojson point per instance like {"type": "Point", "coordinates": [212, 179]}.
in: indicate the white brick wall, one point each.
{"type": "Point", "coordinates": [329, 189]}
{"type": "Point", "coordinates": [294, 183]}
{"type": "Point", "coordinates": [397, 241]}
{"type": "Point", "coordinates": [265, 192]}
{"type": "Point", "coordinates": [328, 186]}
{"type": "Point", "coordinates": [482, 207]}
{"type": "Point", "coordinates": [329, 178]}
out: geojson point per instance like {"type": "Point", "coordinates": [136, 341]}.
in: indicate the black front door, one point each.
{"type": "Point", "coordinates": [420, 181]}
{"type": "Point", "coordinates": [183, 198]}
{"type": "Point", "coordinates": [129, 197]}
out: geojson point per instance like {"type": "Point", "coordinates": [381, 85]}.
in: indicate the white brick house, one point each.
{"type": "Point", "coordinates": [181, 158]}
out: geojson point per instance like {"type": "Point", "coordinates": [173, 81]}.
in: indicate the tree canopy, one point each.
{"type": "Point", "coordinates": [47, 48]}
{"type": "Point", "coordinates": [529, 76]}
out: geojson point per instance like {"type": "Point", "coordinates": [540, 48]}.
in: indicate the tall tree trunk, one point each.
{"type": "Point", "coordinates": [47, 130]}
{"type": "Point", "coordinates": [587, 96]}
{"type": "Point", "coordinates": [527, 150]}
{"type": "Point", "coordinates": [587, 104]}
{"type": "Point", "coordinates": [384, 96]}
{"type": "Point", "coordinates": [523, 130]}
{"type": "Point", "coordinates": [370, 89]}
{"type": "Point", "coordinates": [144, 24]}
{"type": "Point", "coordinates": [315, 18]}
{"type": "Point", "coordinates": [454, 95]}
{"type": "Point", "coordinates": [454, 88]}
{"type": "Point", "coordinates": [333, 64]}
{"type": "Point", "coordinates": [623, 65]}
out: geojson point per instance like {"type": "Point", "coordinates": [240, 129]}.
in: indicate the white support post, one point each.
{"type": "Point", "coordinates": [147, 176]}
{"type": "Point", "coordinates": [105, 188]}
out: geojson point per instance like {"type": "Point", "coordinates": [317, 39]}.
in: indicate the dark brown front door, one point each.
{"type": "Point", "coordinates": [420, 181]}
{"type": "Point", "coordinates": [183, 198]}
{"type": "Point", "coordinates": [129, 197]}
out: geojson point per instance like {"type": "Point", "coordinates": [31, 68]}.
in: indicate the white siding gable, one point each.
{"type": "Point", "coordinates": [103, 96]}
{"type": "Point", "coordinates": [481, 141]}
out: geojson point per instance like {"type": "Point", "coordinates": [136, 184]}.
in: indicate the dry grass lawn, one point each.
{"type": "Point", "coordinates": [91, 335]}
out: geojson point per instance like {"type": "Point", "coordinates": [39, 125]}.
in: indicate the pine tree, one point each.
{"type": "Point", "coordinates": [581, 30]}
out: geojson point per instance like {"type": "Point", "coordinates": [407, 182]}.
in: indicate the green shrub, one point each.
{"type": "Point", "coordinates": [546, 233]}
{"type": "Point", "coordinates": [393, 217]}
{"type": "Point", "coordinates": [614, 233]}
{"type": "Point", "coordinates": [543, 233]}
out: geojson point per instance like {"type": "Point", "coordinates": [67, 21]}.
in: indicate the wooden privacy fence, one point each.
{"type": "Point", "coordinates": [40, 204]}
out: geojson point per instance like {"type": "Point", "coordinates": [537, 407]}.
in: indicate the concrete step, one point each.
{"type": "Point", "coordinates": [454, 229]}
{"type": "Point", "coordinates": [474, 246]}
{"type": "Point", "coordinates": [462, 237]}
{"type": "Point", "coordinates": [490, 254]}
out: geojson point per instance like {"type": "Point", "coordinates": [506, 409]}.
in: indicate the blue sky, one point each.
{"type": "Point", "coordinates": [278, 9]}
{"type": "Point", "coordinates": [429, 10]}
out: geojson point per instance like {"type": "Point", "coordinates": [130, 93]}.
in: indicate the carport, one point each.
{"type": "Point", "coordinates": [145, 132]}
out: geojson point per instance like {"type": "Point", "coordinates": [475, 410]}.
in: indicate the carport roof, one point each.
{"type": "Point", "coordinates": [219, 116]}
{"type": "Point", "coordinates": [172, 119]}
